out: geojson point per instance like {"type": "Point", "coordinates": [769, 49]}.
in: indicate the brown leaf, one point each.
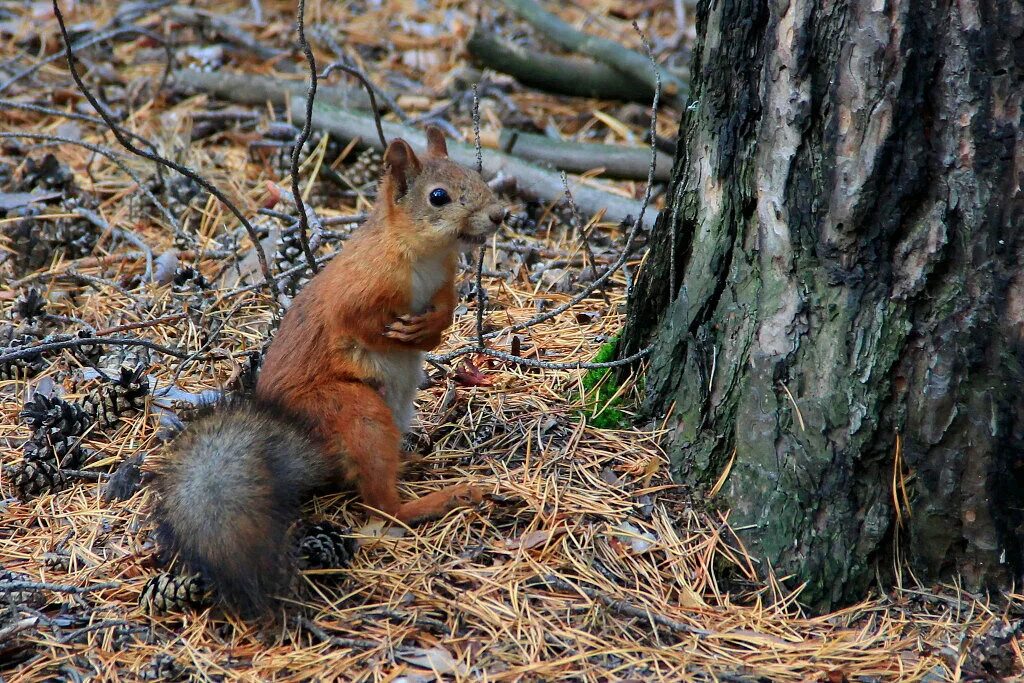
{"type": "Point", "coordinates": [469, 375]}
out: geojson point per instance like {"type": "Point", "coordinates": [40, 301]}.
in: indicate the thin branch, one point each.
{"type": "Point", "coordinates": [92, 40]}
{"type": "Point", "coordinates": [307, 124]}
{"type": "Point", "coordinates": [533, 362]}
{"type": "Point", "coordinates": [389, 101]}
{"type": "Point", "coordinates": [39, 109]}
{"type": "Point", "coordinates": [6, 586]}
{"type": "Point", "coordinates": [109, 154]}
{"type": "Point", "coordinates": [127, 235]}
{"type": "Point", "coordinates": [73, 342]}
{"type": "Point", "coordinates": [353, 71]}
{"type": "Point", "coordinates": [184, 170]}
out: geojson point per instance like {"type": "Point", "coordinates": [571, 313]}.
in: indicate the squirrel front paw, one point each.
{"type": "Point", "coordinates": [414, 329]}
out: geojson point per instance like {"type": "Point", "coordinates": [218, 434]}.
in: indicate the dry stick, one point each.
{"type": "Point", "coordinates": [307, 123]}
{"type": "Point", "coordinates": [17, 627]}
{"type": "Point", "coordinates": [55, 587]}
{"type": "Point", "coordinates": [343, 58]}
{"type": "Point", "coordinates": [89, 42]}
{"type": "Point", "coordinates": [578, 224]}
{"type": "Point", "coordinates": [227, 29]}
{"type": "Point", "coordinates": [247, 88]}
{"type": "Point", "coordinates": [109, 154]}
{"type": "Point", "coordinates": [601, 49]}
{"type": "Point", "coordinates": [112, 623]}
{"type": "Point", "coordinates": [551, 73]}
{"type": "Point", "coordinates": [128, 235]}
{"type": "Point", "coordinates": [29, 351]}
{"type": "Point", "coordinates": [368, 86]}
{"type": "Point", "coordinates": [39, 109]}
{"type": "Point", "coordinates": [625, 607]}
{"type": "Point", "coordinates": [481, 293]}
{"type": "Point", "coordinates": [183, 170]}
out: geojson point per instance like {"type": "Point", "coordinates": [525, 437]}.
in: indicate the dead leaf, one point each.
{"type": "Point", "coordinates": [530, 540]}
{"type": "Point", "coordinates": [469, 375]}
{"type": "Point", "coordinates": [16, 200]}
{"type": "Point", "coordinates": [436, 659]}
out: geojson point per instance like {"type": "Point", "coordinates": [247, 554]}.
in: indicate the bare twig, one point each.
{"type": "Point", "coordinates": [109, 154]}
{"type": "Point", "coordinates": [99, 38]}
{"type": "Point", "coordinates": [300, 22]}
{"type": "Point", "coordinates": [73, 342]}
{"type": "Point", "coordinates": [39, 109]}
{"type": "Point", "coordinates": [111, 623]}
{"type": "Point", "coordinates": [184, 170]}
{"type": "Point", "coordinates": [353, 71]}
{"type": "Point", "coordinates": [127, 235]}
{"type": "Point", "coordinates": [6, 586]}
{"type": "Point", "coordinates": [383, 94]}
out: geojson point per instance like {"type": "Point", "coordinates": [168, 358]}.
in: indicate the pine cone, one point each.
{"type": "Point", "coordinates": [47, 173]}
{"type": "Point", "coordinates": [325, 545]}
{"type": "Point", "coordinates": [88, 353]}
{"type": "Point", "coordinates": [29, 247]}
{"type": "Point", "coordinates": [17, 595]}
{"type": "Point", "coordinates": [164, 667]}
{"type": "Point", "coordinates": [188, 280]}
{"type": "Point", "coordinates": [289, 254]}
{"type": "Point", "coordinates": [29, 306]}
{"type": "Point", "coordinates": [175, 593]}
{"type": "Point", "coordinates": [22, 367]}
{"type": "Point", "coordinates": [125, 394]}
{"type": "Point", "coordinates": [54, 448]}
{"type": "Point", "coordinates": [54, 414]}
{"type": "Point", "coordinates": [365, 169]}
{"type": "Point", "coordinates": [34, 477]}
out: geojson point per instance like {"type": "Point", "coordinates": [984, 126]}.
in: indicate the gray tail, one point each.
{"type": "Point", "coordinates": [229, 492]}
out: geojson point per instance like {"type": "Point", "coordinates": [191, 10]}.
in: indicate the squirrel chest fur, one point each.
{"type": "Point", "coordinates": [336, 389]}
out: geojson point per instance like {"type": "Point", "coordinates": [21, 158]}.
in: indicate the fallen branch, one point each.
{"type": "Point", "coordinates": [532, 181]}
{"type": "Point", "coordinates": [551, 73]}
{"type": "Point", "coordinates": [253, 89]}
{"type": "Point", "coordinates": [609, 52]}
{"type": "Point", "coordinates": [618, 161]}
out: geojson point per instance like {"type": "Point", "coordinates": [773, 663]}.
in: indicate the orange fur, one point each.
{"type": "Point", "coordinates": [351, 340]}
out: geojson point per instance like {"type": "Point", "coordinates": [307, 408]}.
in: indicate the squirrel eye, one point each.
{"type": "Point", "coordinates": [439, 197]}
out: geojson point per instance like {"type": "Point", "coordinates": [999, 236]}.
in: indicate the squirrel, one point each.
{"type": "Point", "coordinates": [335, 393]}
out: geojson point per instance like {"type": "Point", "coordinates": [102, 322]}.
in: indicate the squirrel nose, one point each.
{"type": "Point", "coordinates": [497, 216]}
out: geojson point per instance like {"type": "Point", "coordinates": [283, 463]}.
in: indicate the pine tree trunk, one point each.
{"type": "Point", "coordinates": [836, 294]}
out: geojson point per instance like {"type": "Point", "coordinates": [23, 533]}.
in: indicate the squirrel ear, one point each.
{"type": "Point", "coordinates": [401, 166]}
{"type": "Point", "coordinates": [436, 146]}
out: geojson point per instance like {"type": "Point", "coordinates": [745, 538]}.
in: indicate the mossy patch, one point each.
{"type": "Point", "coordinates": [601, 404]}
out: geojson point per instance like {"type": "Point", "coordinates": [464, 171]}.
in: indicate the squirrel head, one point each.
{"type": "Point", "coordinates": [442, 202]}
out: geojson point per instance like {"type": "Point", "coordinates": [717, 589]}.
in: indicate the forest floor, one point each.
{"type": "Point", "coordinates": [585, 562]}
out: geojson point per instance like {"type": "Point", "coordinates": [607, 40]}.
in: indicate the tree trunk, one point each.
{"type": "Point", "coordinates": [835, 293]}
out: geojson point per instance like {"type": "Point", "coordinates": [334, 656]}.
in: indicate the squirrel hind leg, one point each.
{"type": "Point", "coordinates": [228, 494]}
{"type": "Point", "coordinates": [371, 446]}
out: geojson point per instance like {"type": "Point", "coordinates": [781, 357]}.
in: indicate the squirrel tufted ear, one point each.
{"type": "Point", "coordinates": [401, 166]}
{"type": "Point", "coordinates": [436, 146]}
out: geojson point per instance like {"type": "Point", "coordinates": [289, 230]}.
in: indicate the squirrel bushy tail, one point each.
{"type": "Point", "coordinates": [229, 491]}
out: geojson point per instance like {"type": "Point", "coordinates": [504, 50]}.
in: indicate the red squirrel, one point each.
{"type": "Point", "coordinates": [335, 393]}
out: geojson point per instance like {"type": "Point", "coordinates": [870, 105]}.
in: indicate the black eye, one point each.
{"type": "Point", "coordinates": [439, 197]}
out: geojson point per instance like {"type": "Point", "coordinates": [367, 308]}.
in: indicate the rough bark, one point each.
{"type": "Point", "coordinates": [836, 290]}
